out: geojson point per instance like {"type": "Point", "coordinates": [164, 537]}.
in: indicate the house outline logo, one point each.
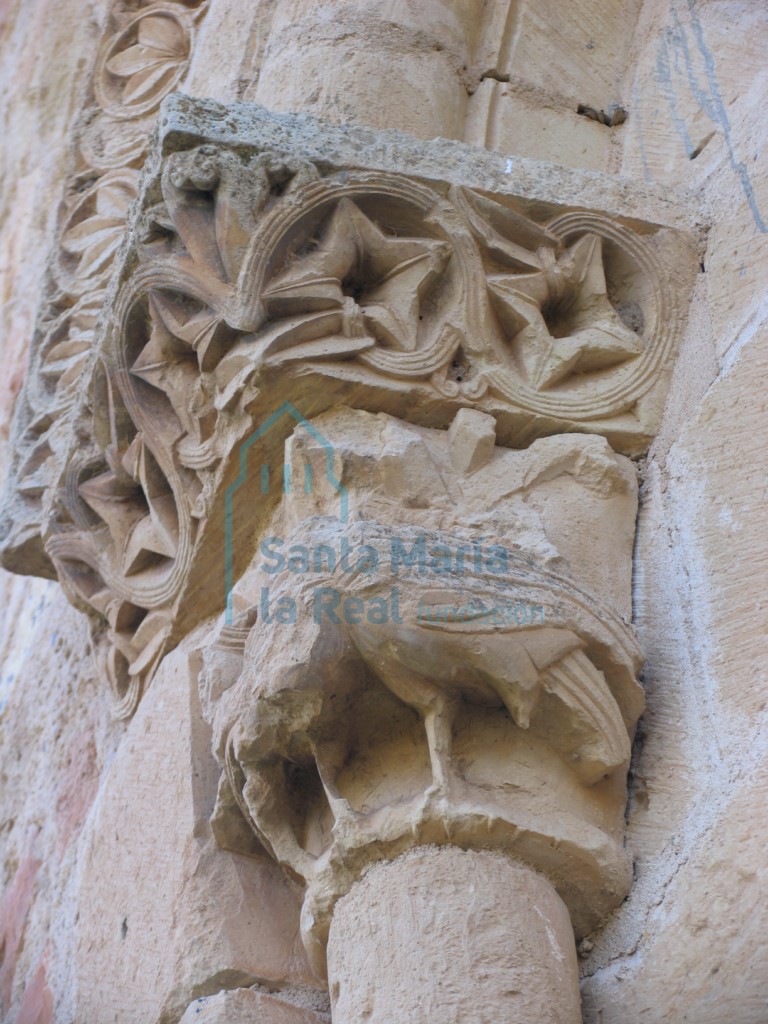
{"type": "Point", "coordinates": [286, 409]}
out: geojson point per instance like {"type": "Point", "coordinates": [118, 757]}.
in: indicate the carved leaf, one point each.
{"type": "Point", "coordinates": [133, 60]}
{"type": "Point", "coordinates": [151, 79]}
{"type": "Point", "coordinates": [164, 35]}
{"type": "Point", "coordinates": [96, 238]}
{"type": "Point", "coordinates": [197, 331]}
{"type": "Point", "coordinates": [506, 234]}
{"type": "Point", "coordinates": [95, 241]}
{"type": "Point", "coordinates": [113, 198]}
{"type": "Point", "coordinates": [150, 63]}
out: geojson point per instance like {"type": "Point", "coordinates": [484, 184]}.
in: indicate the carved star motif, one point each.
{"type": "Point", "coordinates": [370, 282]}
{"type": "Point", "coordinates": [139, 514]}
{"type": "Point", "coordinates": [168, 362]}
{"type": "Point", "coordinates": [561, 317]}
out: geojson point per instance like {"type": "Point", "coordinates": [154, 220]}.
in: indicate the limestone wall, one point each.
{"type": "Point", "coordinates": [117, 904]}
{"type": "Point", "coordinates": [686, 943]}
{"type": "Point", "coordinates": [55, 739]}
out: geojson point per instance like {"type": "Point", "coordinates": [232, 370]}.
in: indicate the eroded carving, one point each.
{"type": "Point", "coordinates": [559, 319]}
{"type": "Point", "coordinates": [467, 676]}
{"type": "Point", "coordinates": [433, 669]}
{"type": "Point", "coordinates": [142, 57]}
{"type": "Point", "coordinates": [143, 61]}
{"type": "Point", "coordinates": [257, 275]}
{"type": "Point", "coordinates": [94, 230]}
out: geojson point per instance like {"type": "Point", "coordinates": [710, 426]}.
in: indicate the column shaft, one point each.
{"type": "Point", "coordinates": [452, 937]}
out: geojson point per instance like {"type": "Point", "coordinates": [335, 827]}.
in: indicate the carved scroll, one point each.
{"type": "Point", "coordinates": [264, 271]}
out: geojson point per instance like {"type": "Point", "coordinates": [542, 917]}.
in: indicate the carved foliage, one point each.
{"type": "Point", "coordinates": [142, 57]}
{"type": "Point", "coordinates": [404, 297]}
{"type": "Point", "coordinates": [143, 61]}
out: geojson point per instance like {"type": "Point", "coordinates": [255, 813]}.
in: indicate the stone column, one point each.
{"type": "Point", "coordinates": [437, 753]}
{"type": "Point", "coordinates": [403, 64]}
{"type": "Point", "coordinates": [443, 934]}
{"type": "Point", "coordinates": [385, 63]}
{"type": "Point", "coordinates": [414, 388]}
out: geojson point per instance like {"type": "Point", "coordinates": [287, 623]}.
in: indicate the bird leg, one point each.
{"type": "Point", "coordinates": [438, 721]}
{"type": "Point", "coordinates": [329, 765]}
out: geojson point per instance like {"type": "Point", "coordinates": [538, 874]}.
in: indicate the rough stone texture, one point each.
{"type": "Point", "coordinates": [689, 942]}
{"type": "Point", "coordinates": [421, 49]}
{"type": "Point", "coordinates": [555, 69]}
{"type": "Point", "coordinates": [388, 149]}
{"type": "Point", "coordinates": [148, 866]}
{"type": "Point", "coordinates": [47, 51]}
{"type": "Point", "coordinates": [302, 263]}
{"type": "Point", "coordinates": [247, 1006]}
{"type": "Point", "coordinates": [53, 740]}
{"type": "Point", "coordinates": [474, 680]}
{"type": "Point", "coordinates": [512, 955]}
{"type": "Point", "coordinates": [55, 743]}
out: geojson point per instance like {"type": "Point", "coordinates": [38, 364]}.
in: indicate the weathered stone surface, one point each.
{"type": "Point", "coordinates": [423, 51]}
{"type": "Point", "coordinates": [472, 438]}
{"type": "Point", "coordinates": [704, 943]}
{"type": "Point", "coordinates": [247, 1006]}
{"type": "Point", "coordinates": [14, 909]}
{"type": "Point", "coordinates": [151, 934]}
{"type": "Point", "coordinates": [505, 950]}
{"type": "Point", "coordinates": [46, 55]}
{"type": "Point", "coordinates": [688, 943]}
{"type": "Point", "coordinates": [433, 659]}
{"type": "Point", "coordinates": [124, 61]}
{"type": "Point", "coordinates": [552, 71]}
{"type": "Point", "coordinates": [37, 1002]}
{"type": "Point", "coordinates": [702, 615]}
{"type": "Point", "coordinates": [54, 743]}
{"type": "Point", "coordinates": [291, 278]}
{"type": "Point", "coordinates": [185, 119]}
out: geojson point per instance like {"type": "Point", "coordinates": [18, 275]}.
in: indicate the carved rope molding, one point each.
{"type": "Point", "coordinates": [143, 55]}
{"type": "Point", "coordinates": [271, 259]}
